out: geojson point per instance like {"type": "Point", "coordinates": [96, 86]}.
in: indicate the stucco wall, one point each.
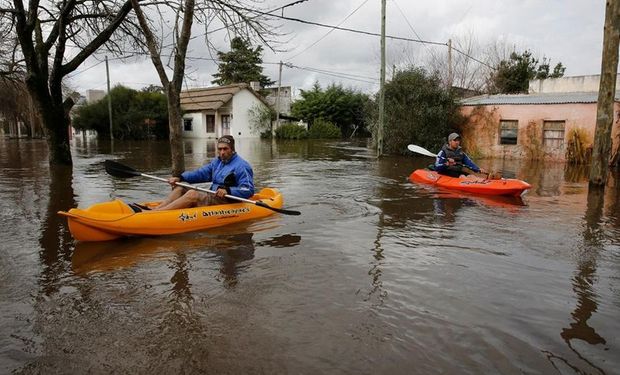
{"type": "Point", "coordinates": [481, 133]}
{"type": "Point", "coordinates": [198, 126]}
{"type": "Point", "coordinates": [241, 125]}
{"type": "Point", "coordinates": [567, 84]}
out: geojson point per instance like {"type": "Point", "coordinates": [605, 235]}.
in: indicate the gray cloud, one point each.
{"type": "Point", "coordinates": [569, 31]}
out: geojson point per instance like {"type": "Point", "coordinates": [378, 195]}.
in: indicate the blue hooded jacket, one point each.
{"type": "Point", "coordinates": [218, 172]}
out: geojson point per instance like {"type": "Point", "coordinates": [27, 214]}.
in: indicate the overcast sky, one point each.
{"type": "Point", "coordinates": [567, 31]}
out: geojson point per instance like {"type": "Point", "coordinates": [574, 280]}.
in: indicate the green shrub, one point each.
{"type": "Point", "coordinates": [324, 129]}
{"type": "Point", "coordinates": [418, 110]}
{"type": "Point", "coordinates": [291, 131]}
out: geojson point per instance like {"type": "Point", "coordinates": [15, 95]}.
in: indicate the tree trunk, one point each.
{"type": "Point", "coordinates": [173, 86]}
{"type": "Point", "coordinates": [55, 120]}
{"type": "Point", "coordinates": [175, 124]}
{"type": "Point", "coordinates": [606, 95]}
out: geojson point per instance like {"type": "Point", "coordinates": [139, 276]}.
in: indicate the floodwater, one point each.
{"type": "Point", "coordinates": [377, 276]}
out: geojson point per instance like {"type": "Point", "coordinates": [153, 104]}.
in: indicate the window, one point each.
{"type": "Point", "coordinates": [553, 133]}
{"type": "Point", "coordinates": [187, 124]}
{"type": "Point", "coordinates": [210, 124]}
{"type": "Point", "coordinates": [508, 130]}
{"type": "Point", "coordinates": [225, 124]}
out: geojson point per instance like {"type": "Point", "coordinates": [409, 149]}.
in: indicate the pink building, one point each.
{"type": "Point", "coordinates": [541, 125]}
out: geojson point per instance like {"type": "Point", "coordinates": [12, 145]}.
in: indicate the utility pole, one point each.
{"type": "Point", "coordinates": [278, 100]}
{"type": "Point", "coordinates": [449, 64]}
{"type": "Point", "coordinates": [606, 95]}
{"type": "Point", "coordinates": [381, 85]}
{"type": "Point", "coordinates": [107, 72]}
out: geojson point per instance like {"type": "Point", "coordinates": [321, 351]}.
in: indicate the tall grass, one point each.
{"type": "Point", "coordinates": [579, 147]}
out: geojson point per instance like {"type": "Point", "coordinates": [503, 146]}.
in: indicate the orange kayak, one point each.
{"type": "Point", "coordinates": [504, 186]}
{"type": "Point", "coordinates": [110, 220]}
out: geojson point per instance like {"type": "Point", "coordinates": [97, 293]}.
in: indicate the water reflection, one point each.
{"type": "Point", "coordinates": [56, 242]}
{"type": "Point", "coordinates": [584, 280]}
{"type": "Point", "coordinates": [229, 250]}
{"type": "Point", "coordinates": [376, 269]}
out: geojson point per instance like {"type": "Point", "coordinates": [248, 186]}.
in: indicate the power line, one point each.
{"type": "Point", "coordinates": [473, 58]}
{"type": "Point", "coordinates": [411, 27]}
{"type": "Point", "coordinates": [348, 29]}
{"type": "Point", "coordinates": [75, 73]}
{"type": "Point", "coordinates": [431, 51]}
{"type": "Point", "coordinates": [329, 32]}
{"type": "Point", "coordinates": [261, 13]}
{"type": "Point", "coordinates": [336, 74]}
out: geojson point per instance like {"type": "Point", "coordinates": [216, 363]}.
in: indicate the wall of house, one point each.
{"type": "Point", "coordinates": [481, 132]}
{"type": "Point", "coordinates": [567, 84]}
{"type": "Point", "coordinates": [241, 124]}
{"type": "Point", "coordinates": [198, 125]}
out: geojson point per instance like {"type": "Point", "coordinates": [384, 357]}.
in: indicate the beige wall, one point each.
{"type": "Point", "coordinates": [567, 84]}
{"type": "Point", "coordinates": [481, 132]}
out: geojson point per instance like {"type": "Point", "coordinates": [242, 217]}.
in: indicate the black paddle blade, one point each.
{"type": "Point", "coordinates": [119, 170]}
{"type": "Point", "coordinates": [280, 210]}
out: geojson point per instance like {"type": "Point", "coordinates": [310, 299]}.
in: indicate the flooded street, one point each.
{"type": "Point", "coordinates": [377, 276]}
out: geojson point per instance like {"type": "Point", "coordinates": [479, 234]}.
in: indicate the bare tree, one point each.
{"type": "Point", "coordinates": [469, 67]}
{"type": "Point", "coordinates": [235, 15]}
{"type": "Point", "coordinates": [54, 38]}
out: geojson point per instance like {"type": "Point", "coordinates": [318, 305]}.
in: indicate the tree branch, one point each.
{"type": "Point", "coordinates": [99, 40]}
{"type": "Point", "coordinates": [151, 43]}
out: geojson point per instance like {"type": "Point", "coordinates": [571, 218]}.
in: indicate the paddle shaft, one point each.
{"type": "Point", "coordinates": [119, 170]}
{"type": "Point", "coordinates": [188, 186]}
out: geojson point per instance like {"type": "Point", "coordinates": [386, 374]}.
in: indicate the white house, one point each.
{"type": "Point", "coordinates": [216, 111]}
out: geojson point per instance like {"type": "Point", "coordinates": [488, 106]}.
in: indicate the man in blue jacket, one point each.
{"type": "Point", "coordinates": [451, 159]}
{"type": "Point", "coordinates": [228, 172]}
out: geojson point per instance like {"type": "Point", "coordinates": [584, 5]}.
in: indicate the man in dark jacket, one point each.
{"type": "Point", "coordinates": [228, 172]}
{"type": "Point", "coordinates": [451, 159]}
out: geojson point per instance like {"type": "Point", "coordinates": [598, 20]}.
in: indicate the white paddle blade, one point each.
{"type": "Point", "coordinates": [421, 150]}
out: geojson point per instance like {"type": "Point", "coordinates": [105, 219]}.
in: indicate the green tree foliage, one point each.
{"type": "Point", "coordinates": [135, 115]}
{"type": "Point", "coordinates": [153, 88]}
{"type": "Point", "coordinates": [418, 110]}
{"type": "Point", "coordinates": [343, 107]}
{"type": "Point", "coordinates": [512, 76]}
{"type": "Point", "coordinates": [241, 65]}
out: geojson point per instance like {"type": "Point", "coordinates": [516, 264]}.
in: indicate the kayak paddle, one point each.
{"type": "Point", "coordinates": [122, 171]}
{"type": "Point", "coordinates": [421, 150]}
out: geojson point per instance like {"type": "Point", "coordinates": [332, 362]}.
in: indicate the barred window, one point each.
{"type": "Point", "coordinates": [553, 133]}
{"type": "Point", "coordinates": [508, 131]}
